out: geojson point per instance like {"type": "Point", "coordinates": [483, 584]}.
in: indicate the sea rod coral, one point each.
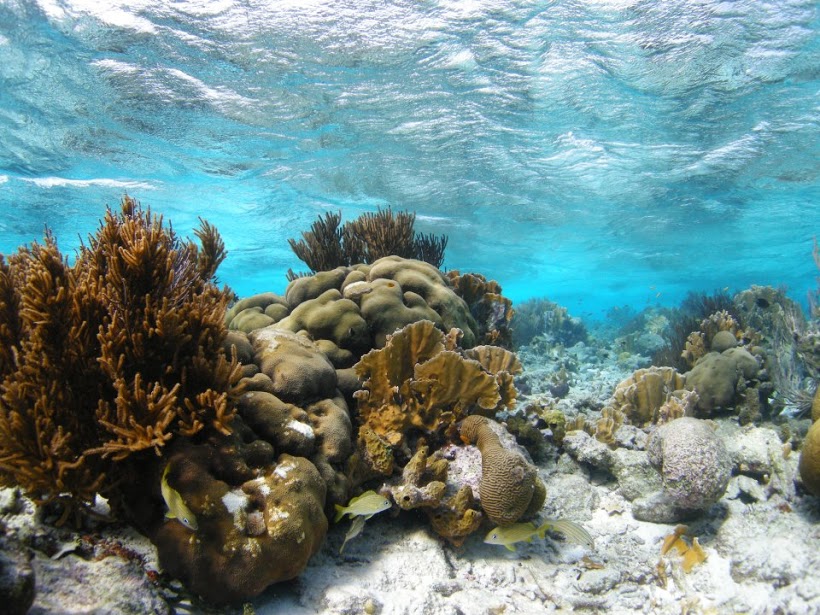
{"type": "Point", "coordinates": [110, 358]}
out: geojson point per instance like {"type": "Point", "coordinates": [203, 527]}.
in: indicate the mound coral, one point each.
{"type": "Point", "coordinates": [257, 526]}
{"type": "Point", "coordinates": [510, 488]}
{"type": "Point", "coordinates": [719, 377]}
{"type": "Point", "coordinates": [355, 308]}
{"type": "Point", "coordinates": [810, 460]}
{"type": "Point", "coordinates": [110, 358]}
{"type": "Point", "coordinates": [694, 466]}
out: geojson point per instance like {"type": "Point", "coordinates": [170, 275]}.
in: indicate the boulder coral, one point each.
{"type": "Point", "coordinates": [510, 488]}
{"type": "Point", "coordinates": [694, 466]}
{"type": "Point", "coordinates": [253, 530]}
{"type": "Point", "coordinates": [810, 460]}
{"type": "Point", "coordinates": [356, 307]}
{"type": "Point", "coordinates": [719, 377]}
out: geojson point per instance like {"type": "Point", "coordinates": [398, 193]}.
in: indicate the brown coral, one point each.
{"type": "Point", "coordinates": [492, 311]}
{"type": "Point", "coordinates": [252, 532]}
{"type": "Point", "coordinates": [413, 383]}
{"type": "Point", "coordinates": [115, 355]}
{"type": "Point", "coordinates": [366, 239]}
{"type": "Point", "coordinates": [641, 396]}
{"type": "Point", "coordinates": [510, 487]}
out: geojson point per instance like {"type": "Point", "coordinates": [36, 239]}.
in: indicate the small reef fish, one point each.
{"type": "Point", "coordinates": [177, 508]}
{"type": "Point", "coordinates": [524, 532]}
{"type": "Point", "coordinates": [356, 528]}
{"type": "Point", "coordinates": [366, 505]}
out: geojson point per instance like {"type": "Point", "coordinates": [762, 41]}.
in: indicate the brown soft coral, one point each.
{"type": "Point", "coordinates": [115, 355]}
{"type": "Point", "coordinates": [510, 488]}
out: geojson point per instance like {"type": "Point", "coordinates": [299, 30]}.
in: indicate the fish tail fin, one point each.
{"type": "Point", "coordinates": [543, 529]}
{"type": "Point", "coordinates": [573, 532]}
{"type": "Point", "coordinates": [340, 512]}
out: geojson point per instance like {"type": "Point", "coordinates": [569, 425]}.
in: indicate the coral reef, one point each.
{"type": "Point", "coordinates": [491, 310]}
{"type": "Point", "coordinates": [259, 531]}
{"type": "Point", "coordinates": [510, 488]}
{"type": "Point", "coordinates": [694, 466]}
{"type": "Point", "coordinates": [111, 358]}
{"type": "Point", "coordinates": [718, 377]}
{"type": "Point", "coordinates": [355, 308]}
{"type": "Point", "coordinates": [810, 460]}
{"type": "Point", "coordinates": [422, 482]}
{"type": "Point", "coordinates": [548, 319]}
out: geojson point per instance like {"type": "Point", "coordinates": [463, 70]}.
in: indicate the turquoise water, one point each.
{"type": "Point", "coordinates": [599, 153]}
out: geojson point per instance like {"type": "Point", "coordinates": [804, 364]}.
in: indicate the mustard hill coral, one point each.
{"type": "Point", "coordinates": [810, 460]}
{"type": "Point", "coordinates": [510, 488]}
{"type": "Point", "coordinates": [251, 533]}
{"type": "Point", "coordinates": [718, 377]}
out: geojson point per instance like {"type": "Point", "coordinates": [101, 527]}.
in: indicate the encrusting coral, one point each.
{"type": "Point", "coordinates": [109, 358]}
{"type": "Point", "coordinates": [510, 488]}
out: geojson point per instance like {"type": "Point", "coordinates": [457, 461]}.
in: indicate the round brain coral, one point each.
{"type": "Point", "coordinates": [510, 487]}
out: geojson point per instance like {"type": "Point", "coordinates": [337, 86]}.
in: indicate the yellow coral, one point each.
{"type": "Point", "coordinates": [414, 383]}
{"type": "Point", "coordinates": [641, 396]}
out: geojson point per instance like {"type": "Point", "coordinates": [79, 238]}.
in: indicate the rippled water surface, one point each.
{"type": "Point", "coordinates": [599, 153]}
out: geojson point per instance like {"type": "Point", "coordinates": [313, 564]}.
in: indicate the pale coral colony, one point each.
{"type": "Point", "coordinates": [133, 375]}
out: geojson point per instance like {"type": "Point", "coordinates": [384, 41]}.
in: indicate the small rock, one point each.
{"type": "Point", "coordinates": [694, 467]}
{"type": "Point", "coordinates": [16, 582]}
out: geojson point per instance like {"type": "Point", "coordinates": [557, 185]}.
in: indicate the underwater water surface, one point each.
{"type": "Point", "coordinates": [601, 152]}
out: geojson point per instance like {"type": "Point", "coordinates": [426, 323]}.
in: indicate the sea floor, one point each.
{"type": "Point", "coordinates": [761, 540]}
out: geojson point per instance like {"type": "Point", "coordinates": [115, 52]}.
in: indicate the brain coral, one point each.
{"type": "Point", "coordinates": [510, 488]}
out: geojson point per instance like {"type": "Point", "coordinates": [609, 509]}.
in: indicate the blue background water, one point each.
{"type": "Point", "coordinates": [600, 153]}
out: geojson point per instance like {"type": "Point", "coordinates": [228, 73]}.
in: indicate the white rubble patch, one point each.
{"type": "Point", "coordinates": [302, 428]}
{"type": "Point", "coordinates": [235, 501]}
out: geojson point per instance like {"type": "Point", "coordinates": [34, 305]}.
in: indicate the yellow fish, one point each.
{"type": "Point", "coordinates": [176, 505]}
{"type": "Point", "coordinates": [509, 535]}
{"type": "Point", "coordinates": [355, 529]}
{"type": "Point", "coordinates": [366, 505]}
